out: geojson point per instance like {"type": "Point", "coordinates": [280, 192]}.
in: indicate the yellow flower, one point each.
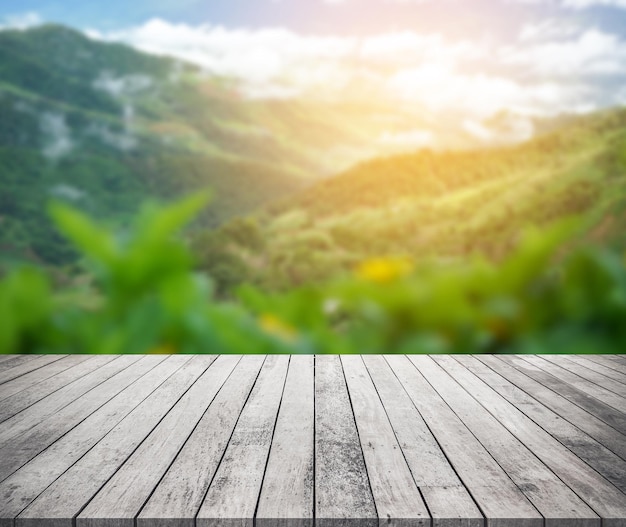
{"type": "Point", "coordinates": [163, 349]}
{"type": "Point", "coordinates": [384, 270]}
{"type": "Point", "coordinates": [273, 325]}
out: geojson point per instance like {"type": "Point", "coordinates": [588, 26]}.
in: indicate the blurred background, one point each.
{"type": "Point", "coordinates": [313, 176]}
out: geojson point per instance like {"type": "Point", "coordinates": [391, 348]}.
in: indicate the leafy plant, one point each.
{"type": "Point", "coordinates": [144, 297]}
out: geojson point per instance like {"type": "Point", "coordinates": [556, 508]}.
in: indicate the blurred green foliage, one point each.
{"type": "Point", "coordinates": [143, 297]}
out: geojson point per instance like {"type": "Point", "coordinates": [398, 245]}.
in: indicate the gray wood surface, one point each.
{"type": "Point", "coordinates": [10, 361]}
{"type": "Point", "coordinates": [130, 487]}
{"type": "Point", "coordinates": [552, 498]}
{"type": "Point", "coordinates": [610, 465]}
{"type": "Point", "coordinates": [287, 491]}
{"type": "Point", "coordinates": [395, 493]}
{"type": "Point", "coordinates": [611, 416]}
{"type": "Point", "coordinates": [22, 448]}
{"type": "Point", "coordinates": [609, 361]}
{"type": "Point", "coordinates": [233, 494]}
{"type": "Point", "coordinates": [586, 421]}
{"type": "Point", "coordinates": [587, 373]}
{"type": "Point", "coordinates": [303, 441]}
{"type": "Point", "coordinates": [31, 479]}
{"type": "Point", "coordinates": [28, 366]}
{"type": "Point", "coordinates": [502, 503]}
{"type": "Point", "coordinates": [37, 376]}
{"type": "Point", "coordinates": [603, 497]}
{"type": "Point", "coordinates": [67, 495]}
{"type": "Point", "coordinates": [563, 373]}
{"type": "Point", "coordinates": [343, 496]}
{"type": "Point", "coordinates": [25, 398]}
{"type": "Point", "coordinates": [599, 367]}
{"type": "Point", "coordinates": [178, 497]}
{"type": "Point", "coordinates": [448, 501]}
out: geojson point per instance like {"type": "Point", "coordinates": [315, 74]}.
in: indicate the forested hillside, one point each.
{"type": "Point", "coordinates": [441, 206]}
{"type": "Point", "coordinates": [105, 127]}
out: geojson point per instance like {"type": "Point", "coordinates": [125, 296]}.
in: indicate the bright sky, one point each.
{"type": "Point", "coordinates": [472, 56]}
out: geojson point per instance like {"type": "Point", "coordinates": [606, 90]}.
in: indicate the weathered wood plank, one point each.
{"type": "Point", "coordinates": [20, 489]}
{"type": "Point", "coordinates": [121, 498]}
{"type": "Point", "coordinates": [34, 377]}
{"type": "Point", "coordinates": [448, 501]}
{"type": "Point", "coordinates": [608, 361]}
{"type": "Point", "coordinates": [590, 424]}
{"type": "Point", "coordinates": [500, 500]}
{"type": "Point", "coordinates": [31, 365]}
{"type": "Point", "coordinates": [28, 397]}
{"type": "Point", "coordinates": [602, 411]}
{"type": "Point", "coordinates": [599, 367]}
{"type": "Point", "coordinates": [7, 357]}
{"type": "Point", "coordinates": [342, 491]}
{"type": "Point", "coordinates": [616, 401]}
{"type": "Point", "coordinates": [611, 466]}
{"type": "Point", "coordinates": [287, 490]}
{"type": "Point", "coordinates": [178, 497]}
{"type": "Point", "coordinates": [24, 447]}
{"type": "Point", "coordinates": [584, 372]}
{"type": "Point", "coordinates": [553, 499]}
{"type": "Point", "coordinates": [234, 492]}
{"type": "Point", "coordinates": [10, 361]}
{"type": "Point", "coordinates": [396, 496]}
{"type": "Point", "coordinates": [65, 498]}
{"type": "Point", "coordinates": [620, 359]}
{"type": "Point", "coordinates": [603, 497]}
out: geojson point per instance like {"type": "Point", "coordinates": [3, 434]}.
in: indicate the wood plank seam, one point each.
{"type": "Point", "coordinates": [571, 482]}
{"type": "Point", "coordinates": [358, 436]}
{"type": "Point", "coordinates": [421, 493]}
{"type": "Point", "coordinates": [602, 411]}
{"type": "Point", "coordinates": [439, 445]}
{"type": "Point", "coordinates": [188, 437]}
{"type": "Point", "coordinates": [228, 442]}
{"type": "Point", "coordinates": [129, 411]}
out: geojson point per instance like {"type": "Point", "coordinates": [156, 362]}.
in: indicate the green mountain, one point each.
{"type": "Point", "coordinates": [105, 127]}
{"type": "Point", "coordinates": [433, 206]}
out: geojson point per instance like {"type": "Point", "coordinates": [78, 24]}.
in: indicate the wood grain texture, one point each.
{"type": "Point", "coordinates": [178, 497]}
{"type": "Point", "coordinates": [29, 481]}
{"type": "Point", "coordinates": [28, 366]}
{"type": "Point", "coordinates": [234, 492]}
{"type": "Point", "coordinates": [610, 465]}
{"type": "Point", "coordinates": [343, 496]}
{"type": "Point", "coordinates": [563, 373]}
{"type": "Point", "coordinates": [130, 487]}
{"type": "Point", "coordinates": [27, 445]}
{"type": "Point", "coordinates": [33, 394]}
{"type": "Point", "coordinates": [599, 367]}
{"type": "Point", "coordinates": [501, 502]}
{"type": "Point", "coordinates": [303, 441]}
{"type": "Point", "coordinates": [37, 376]}
{"type": "Point", "coordinates": [599, 494]}
{"type": "Point", "coordinates": [606, 413]}
{"type": "Point", "coordinates": [287, 491]}
{"type": "Point", "coordinates": [588, 374]}
{"type": "Point", "coordinates": [580, 417]}
{"type": "Point", "coordinates": [396, 496]}
{"type": "Point", "coordinates": [448, 501]}
{"type": "Point", "coordinates": [65, 498]}
{"type": "Point", "coordinates": [552, 498]}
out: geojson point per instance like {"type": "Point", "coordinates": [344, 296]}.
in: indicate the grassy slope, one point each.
{"type": "Point", "coordinates": [443, 206]}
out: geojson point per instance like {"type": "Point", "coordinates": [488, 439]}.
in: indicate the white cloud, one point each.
{"type": "Point", "coordinates": [21, 21]}
{"type": "Point", "coordinates": [592, 53]}
{"type": "Point", "coordinates": [57, 137]}
{"type": "Point", "coordinates": [549, 69]}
